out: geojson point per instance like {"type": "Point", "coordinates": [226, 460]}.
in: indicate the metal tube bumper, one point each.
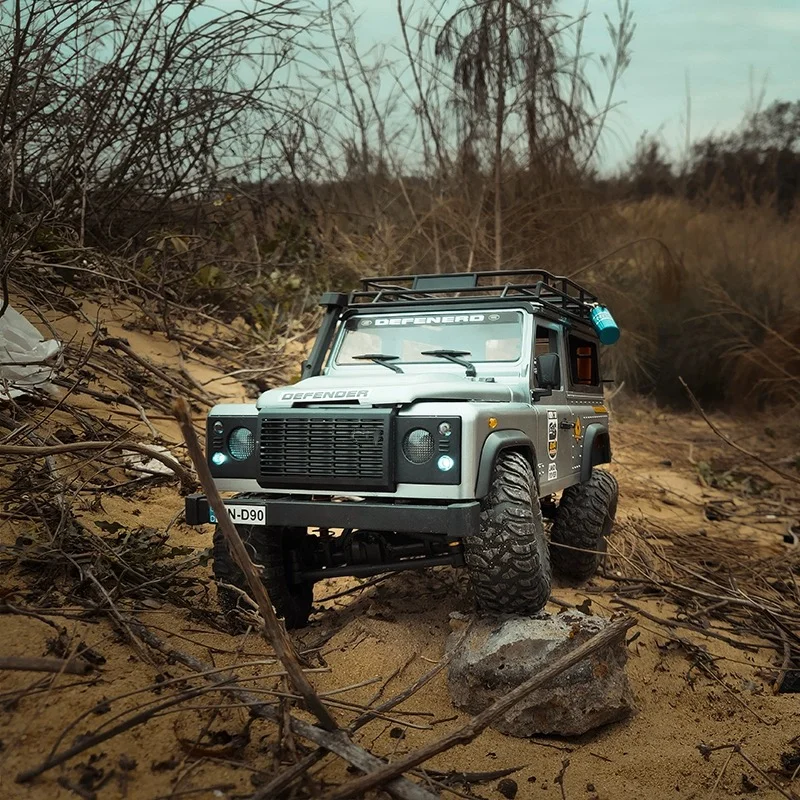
{"type": "Point", "coordinates": [454, 520]}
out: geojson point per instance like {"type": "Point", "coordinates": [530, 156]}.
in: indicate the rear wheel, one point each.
{"type": "Point", "coordinates": [279, 551]}
{"type": "Point", "coordinates": [582, 524]}
{"type": "Point", "coordinates": [508, 560]}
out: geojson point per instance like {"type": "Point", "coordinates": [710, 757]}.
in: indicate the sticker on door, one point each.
{"type": "Point", "coordinates": [552, 434]}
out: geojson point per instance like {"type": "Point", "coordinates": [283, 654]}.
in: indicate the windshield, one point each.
{"type": "Point", "coordinates": [488, 336]}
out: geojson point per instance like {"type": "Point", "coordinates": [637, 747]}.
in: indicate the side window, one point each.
{"type": "Point", "coordinates": [583, 366]}
{"type": "Point", "coordinates": [546, 341]}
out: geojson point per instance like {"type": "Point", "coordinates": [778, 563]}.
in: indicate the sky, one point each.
{"type": "Point", "coordinates": [731, 52]}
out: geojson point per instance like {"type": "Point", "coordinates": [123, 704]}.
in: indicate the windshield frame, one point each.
{"type": "Point", "coordinates": [435, 364]}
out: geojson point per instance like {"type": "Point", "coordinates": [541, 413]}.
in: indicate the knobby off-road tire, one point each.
{"type": "Point", "coordinates": [272, 549]}
{"type": "Point", "coordinates": [508, 561]}
{"type": "Point", "coordinates": [583, 520]}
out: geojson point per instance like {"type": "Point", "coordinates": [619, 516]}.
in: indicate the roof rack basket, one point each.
{"type": "Point", "coordinates": [558, 293]}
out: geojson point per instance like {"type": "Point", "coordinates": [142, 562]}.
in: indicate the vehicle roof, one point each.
{"type": "Point", "coordinates": [560, 295]}
{"type": "Point", "coordinates": [459, 304]}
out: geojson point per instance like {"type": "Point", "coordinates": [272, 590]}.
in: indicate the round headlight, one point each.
{"type": "Point", "coordinates": [241, 443]}
{"type": "Point", "coordinates": [418, 446]}
{"type": "Point", "coordinates": [445, 463]}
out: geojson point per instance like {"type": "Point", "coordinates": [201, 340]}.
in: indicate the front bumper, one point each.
{"type": "Point", "coordinates": [453, 520]}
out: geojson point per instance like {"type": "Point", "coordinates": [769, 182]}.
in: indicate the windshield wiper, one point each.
{"type": "Point", "coordinates": [381, 358]}
{"type": "Point", "coordinates": [455, 357]}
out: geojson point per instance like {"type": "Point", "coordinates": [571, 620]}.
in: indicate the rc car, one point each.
{"type": "Point", "coordinates": [439, 420]}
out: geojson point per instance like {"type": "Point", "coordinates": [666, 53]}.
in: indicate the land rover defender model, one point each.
{"type": "Point", "coordinates": [437, 419]}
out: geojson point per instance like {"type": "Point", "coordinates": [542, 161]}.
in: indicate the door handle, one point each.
{"type": "Point", "coordinates": [565, 423]}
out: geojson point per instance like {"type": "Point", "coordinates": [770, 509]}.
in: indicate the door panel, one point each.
{"type": "Point", "coordinates": [554, 431]}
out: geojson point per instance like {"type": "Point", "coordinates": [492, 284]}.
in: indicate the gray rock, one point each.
{"type": "Point", "coordinates": [503, 651]}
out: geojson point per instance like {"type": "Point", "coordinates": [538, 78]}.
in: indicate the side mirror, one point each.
{"type": "Point", "coordinates": [548, 371]}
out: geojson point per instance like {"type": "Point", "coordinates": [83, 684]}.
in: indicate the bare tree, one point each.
{"type": "Point", "coordinates": [109, 109]}
{"type": "Point", "coordinates": [513, 62]}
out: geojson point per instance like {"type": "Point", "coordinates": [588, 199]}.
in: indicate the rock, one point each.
{"type": "Point", "coordinates": [501, 652]}
{"type": "Point", "coordinates": [508, 788]}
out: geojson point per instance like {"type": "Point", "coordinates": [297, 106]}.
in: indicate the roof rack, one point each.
{"type": "Point", "coordinates": [555, 292]}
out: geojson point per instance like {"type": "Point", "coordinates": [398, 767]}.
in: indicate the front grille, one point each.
{"type": "Point", "coordinates": [343, 450]}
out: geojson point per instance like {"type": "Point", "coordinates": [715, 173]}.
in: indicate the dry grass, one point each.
{"type": "Point", "coordinates": [701, 291]}
{"type": "Point", "coordinates": [710, 294]}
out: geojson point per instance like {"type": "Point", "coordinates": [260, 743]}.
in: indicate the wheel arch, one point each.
{"type": "Point", "coordinates": [496, 443]}
{"type": "Point", "coordinates": [596, 449]}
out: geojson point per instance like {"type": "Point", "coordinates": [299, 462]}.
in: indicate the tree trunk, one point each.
{"type": "Point", "coordinates": [498, 136]}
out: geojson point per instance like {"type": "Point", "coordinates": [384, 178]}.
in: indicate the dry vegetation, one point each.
{"type": "Point", "coordinates": [171, 220]}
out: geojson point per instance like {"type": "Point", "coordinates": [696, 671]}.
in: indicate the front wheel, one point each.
{"type": "Point", "coordinates": [277, 550]}
{"type": "Point", "coordinates": [582, 524]}
{"type": "Point", "coordinates": [508, 560]}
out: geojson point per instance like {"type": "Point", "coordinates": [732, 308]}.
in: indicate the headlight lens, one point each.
{"type": "Point", "coordinates": [241, 443]}
{"type": "Point", "coordinates": [445, 463]}
{"type": "Point", "coordinates": [418, 446]}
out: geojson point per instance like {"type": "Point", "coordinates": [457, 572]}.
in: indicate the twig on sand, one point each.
{"type": "Point", "coordinates": [121, 344]}
{"type": "Point", "coordinates": [727, 439]}
{"type": "Point", "coordinates": [273, 631]}
{"type": "Point", "coordinates": [336, 742]}
{"type": "Point", "coordinates": [287, 777]}
{"type": "Point", "coordinates": [559, 779]}
{"type": "Point", "coordinates": [76, 447]}
{"type": "Point", "coordinates": [733, 694]}
{"type": "Point", "coordinates": [106, 597]}
{"type": "Point", "coordinates": [33, 664]}
{"type": "Point", "coordinates": [706, 752]}
{"type": "Point", "coordinates": [721, 774]}
{"type": "Point", "coordinates": [478, 723]}
{"type": "Point", "coordinates": [87, 742]}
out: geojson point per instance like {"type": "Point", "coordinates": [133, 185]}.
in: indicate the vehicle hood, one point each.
{"type": "Point", "coordinates": [381, 391]}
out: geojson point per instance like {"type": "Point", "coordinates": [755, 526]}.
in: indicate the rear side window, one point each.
{"type": "Point", "coordinates": [584, 369]}
{"type": "Point", "coordinates": [546, 341]}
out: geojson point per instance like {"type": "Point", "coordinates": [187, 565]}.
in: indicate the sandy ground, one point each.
{"type": "Point", "coordinates": [360, 641]}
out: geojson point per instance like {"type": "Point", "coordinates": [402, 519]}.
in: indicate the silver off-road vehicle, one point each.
{"type": "Point", "coordinates": [437, 420]}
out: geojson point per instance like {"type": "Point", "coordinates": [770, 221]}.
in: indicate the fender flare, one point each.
{"type": "Point", "coordinates": [596, 449]}
{"type": "Point", "coordinates": [493, 445]}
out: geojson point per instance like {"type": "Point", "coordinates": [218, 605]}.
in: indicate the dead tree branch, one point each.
{"type": "Point", "coordinates": [336, 742]}
{"type": "Point", "coordinates": [468, 732]}
{"type": "Point", "coordinates": [727, 439]}
{"type": "Point", "coordinates": [34, 664]}
{"type": "Point", "coordinates": [274, 633]}
{"type": "Point", "coordinates": [86, 743]}
{"type": "Point", "coordinates": [186, 478]}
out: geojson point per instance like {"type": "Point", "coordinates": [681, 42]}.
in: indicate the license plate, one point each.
{"type": "Point", "coordinates": [242, 515]}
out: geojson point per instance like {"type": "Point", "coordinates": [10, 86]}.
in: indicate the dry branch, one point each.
{"type": "Point", "coordinates": [280, 782]}
{"type": "Point", "coordinates": [181, 472]}
{"type": "Point", "coordinates": [337, 742]}
{"type": "Point", "coordinates": [87, 742]}
{"type": "Point", "coordinates": [121, 344]}
{"type": "Point", "coordinates": [34, 664]}
{"type": "Point", "coordinates": [478, 723]}
{"type": "Point", "coordinates": [727, 439]}
{"type": "Point", "coordinates": [274, 633]}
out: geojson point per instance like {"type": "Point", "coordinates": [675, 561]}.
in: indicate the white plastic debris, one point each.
{"type": "Point", "coordinates": [27, 359]}
{"type": "Point", "coordinates": [138, 463]}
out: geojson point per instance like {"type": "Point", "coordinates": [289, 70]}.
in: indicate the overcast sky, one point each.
{"type": "Point", "coordinates": [731, 50]}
